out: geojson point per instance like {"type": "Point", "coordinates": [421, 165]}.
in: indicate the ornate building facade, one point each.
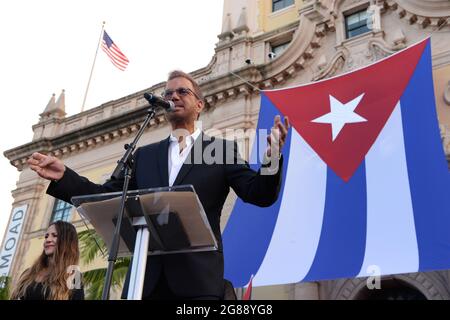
{"type": "Point", "coordinates": [263, 44]}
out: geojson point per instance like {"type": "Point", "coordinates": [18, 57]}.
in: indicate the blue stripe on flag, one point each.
{"type": "Point", "coordinates": [427, 168]}
{"type": "Point", "coordinates": [249, 229]}
{"type": "Point", "coordinates": [343, 238]}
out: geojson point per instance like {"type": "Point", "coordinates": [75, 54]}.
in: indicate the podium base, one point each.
{"type": "Point", "coordinates": [137, 275]}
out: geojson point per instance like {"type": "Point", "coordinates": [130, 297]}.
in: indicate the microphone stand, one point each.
{"type": "Point", "coordinates": [126, 165]}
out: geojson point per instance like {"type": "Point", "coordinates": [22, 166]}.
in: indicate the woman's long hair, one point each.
{"type": "Point", "coordinates": [55, 282]}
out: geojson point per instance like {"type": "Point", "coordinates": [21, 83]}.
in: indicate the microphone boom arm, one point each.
{"type": "Point", "coordinates": [124, 165]}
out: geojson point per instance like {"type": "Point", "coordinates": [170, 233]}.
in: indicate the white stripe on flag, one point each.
{"type": "Point", "coordinates": [391, 243]}
{"type": "Point", "coordinates": [114, 56]}
{"type": "Point", "coordinates": [297, 232]}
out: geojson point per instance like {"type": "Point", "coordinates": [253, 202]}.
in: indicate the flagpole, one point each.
{"type": "Point", "coordinates": [92, 69]}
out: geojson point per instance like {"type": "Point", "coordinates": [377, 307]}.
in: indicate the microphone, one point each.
{"type": "Point", "coordinates": [159, 102]}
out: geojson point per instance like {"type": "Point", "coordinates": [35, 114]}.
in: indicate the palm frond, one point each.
{"type": "Point", "coordinates": [120, 271]}
{"type": "Point", "coordinates": [94, 279]}
{"type": "Point", "coordinates": [4, 288]}
{"type": "Point", "coordinates": [92, 276]}
{"type": "Point", "coordinates": [91, 245]}
{"type": "Point", "coordinates": [94, 291]}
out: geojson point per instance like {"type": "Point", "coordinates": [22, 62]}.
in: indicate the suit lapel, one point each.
{"type": "Point", "coordinates": [189, 163]}
{"type": "Point", "coordinates": [163, 161]}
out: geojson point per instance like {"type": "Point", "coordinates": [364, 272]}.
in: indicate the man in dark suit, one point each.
{"type": "Point", "coordinates": [173, 161]}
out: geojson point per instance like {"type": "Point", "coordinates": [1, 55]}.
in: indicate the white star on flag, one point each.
{"type": "Point", "coordinates": [341, 114]}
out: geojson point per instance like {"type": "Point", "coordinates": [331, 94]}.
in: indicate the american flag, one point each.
{"type": "Point", "coordinates": [112, 50]}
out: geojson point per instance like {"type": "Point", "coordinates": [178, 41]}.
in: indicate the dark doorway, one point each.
{"type": "Point", "coordinates": [391, 289]}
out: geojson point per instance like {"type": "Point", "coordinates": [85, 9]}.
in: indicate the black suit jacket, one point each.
{"type": "Point", "coordinates": [193, 274]}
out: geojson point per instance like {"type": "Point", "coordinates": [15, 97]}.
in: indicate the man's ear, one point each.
{"type": "Point", "coordinates": [200, 105]}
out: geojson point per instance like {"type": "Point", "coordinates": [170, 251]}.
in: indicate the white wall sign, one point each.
{"type": "Point", "coordinates": [11, 239]}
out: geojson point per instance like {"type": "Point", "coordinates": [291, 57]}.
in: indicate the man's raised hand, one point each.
{"type": "Point", "coordinates": [47, 167]}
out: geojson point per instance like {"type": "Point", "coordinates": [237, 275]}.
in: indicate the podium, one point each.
{"type": "Point", "coordinates": [156, 222]}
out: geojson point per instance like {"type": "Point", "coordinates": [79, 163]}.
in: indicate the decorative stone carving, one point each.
{"type": "Point", "coordinates": [124, 131]}
{"type": "Point", "coordinates": [322, 62]}
{"type": "Point", "coordinates": [290, 71]}
{"type": "Point", "coordinates": [226, 34]}
{"type": "Point", "coordinates": [231, 93]}
{"type": "Point", "coordinates": [135, 127]}
{"type": "Point", "coordinates": [73, 148]}
{"type": "Point", "coordinates": [300, 63]}
{"type": "Point", "coordinates": [445, 135]}
{"type": "Point", "coordinates": [210, 101]}
{"type": "Point", "coordinates": [51, 105]}
{"type": "Point", "coordinates": [426, 7]}
{"type": "Point", "coordinates": [65, 150]}
{"type": "Point", "coordinates": [374, 22]}
{"type": "Point", "coordinates": [221, 96]}
{"type": "Point", "coordinates": [279, 78]}
{"type": "Point", "coordinates": [399, 37]}
{"type": "Point", "coordinates": [268, 84]}
{"type": "Point", "coordinates": [82, 145]}
{"type": "Point", "coordinates": [315, 43]}
{"type": "Point", "coordinates": [90, 143]}
{"type": "Point", "coordinates": [426, 13]}
{"type": "Point", "coordinates": [336, 64]}
{"type": "Point", "coordinates": [442, 22]}
{"type": "Point", "coordinates": [359, 59]}
{"type": "Point", "coordinates": [447, 94]}
{"type": "Point", "coordinates": [313, 10]}
{"type": "Point", "coordinates": [245, 90]}
{"type": "Point", "coordinates": [424, 21]}
{"type": "Point", "coordinates": [242, 27]}
{"type": "Point", "coordinates": [321, 30]}
{"type": "Point", "coordinates": [427, 283]}
{"type": "Point", "coordinates": [55, 109]}
{"type": "Point", "coordinates": [378, 51]}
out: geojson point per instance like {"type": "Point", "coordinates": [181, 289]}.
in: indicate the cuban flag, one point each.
{"type": "Point", "coordinates": [365, 180]}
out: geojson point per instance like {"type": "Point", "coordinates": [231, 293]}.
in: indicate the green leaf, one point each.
{"type": "Point", "coordinates": [4, 288]}
{"type": "Point", "coordinates": [91, 246]}
{"type": "Point", "coordinates": [93, 280]}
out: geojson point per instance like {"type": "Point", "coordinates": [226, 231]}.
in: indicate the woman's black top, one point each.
{"type": "Point", "coordinates": [36, 292]}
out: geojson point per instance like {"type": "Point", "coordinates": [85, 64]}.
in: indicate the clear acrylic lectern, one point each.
{"type": "Point", "coordinates": [157, 221]}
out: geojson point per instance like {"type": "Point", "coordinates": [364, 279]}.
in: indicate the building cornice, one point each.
{"type": "Point", "coordinates": [106, 131]}
{"type": "Point", "coordinates": [432, 15]}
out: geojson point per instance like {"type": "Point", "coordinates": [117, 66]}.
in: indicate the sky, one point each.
{"type": "Point", "coordinates": [49, 45]}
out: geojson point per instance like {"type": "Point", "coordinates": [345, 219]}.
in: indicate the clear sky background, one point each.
{"type": "Point", "coordinates": [49, 45]}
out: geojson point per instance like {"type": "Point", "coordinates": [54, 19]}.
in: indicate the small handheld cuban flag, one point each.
{"type": "Point", "coordinates": [365, 180]}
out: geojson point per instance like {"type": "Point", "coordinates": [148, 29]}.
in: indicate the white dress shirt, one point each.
{"type": "Point", "coordinates": [177, 158]}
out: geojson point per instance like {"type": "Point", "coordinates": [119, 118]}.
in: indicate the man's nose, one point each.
{"type": "Point", "coordinates": [174, 96]}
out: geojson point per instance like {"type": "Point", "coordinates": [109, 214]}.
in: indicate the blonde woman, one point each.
{"type": "Point", "coordinates": [48, 277]}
